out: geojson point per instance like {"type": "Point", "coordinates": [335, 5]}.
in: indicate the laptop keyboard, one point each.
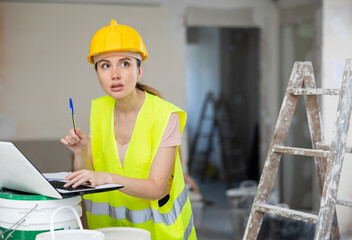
{"type": "Point", "coordinates": [60, 185]}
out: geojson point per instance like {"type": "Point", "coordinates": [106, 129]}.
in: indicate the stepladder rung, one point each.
{"type": "Point", "coordinates": [326, 147]}
{"type": "Point", "coordinates": [344, 202]}
{"type": "Point", "coordinates": [328, 159]}
{"type": "Point", "coordinates": [314, 91]}
{"type": "Point", "coordinates": [301, 151]}
{"type": "Point", "coordinates": [286, 212]}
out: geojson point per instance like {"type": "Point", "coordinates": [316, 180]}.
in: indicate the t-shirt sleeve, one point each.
{"type": "Point", "coordinates": [172, 134]}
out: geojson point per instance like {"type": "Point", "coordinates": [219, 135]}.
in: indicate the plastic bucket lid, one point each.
{"type": "Point", "coordinates": [15, 205]}
{"type": "Point", "coordinates": [20, 200]}
{"type": "Point", "coordinates": [246, 188]}
{"type": "Point", "coordinates": [22, 196]}
{"type": "Point", "coordinates": [241, 192]}
{"type": "Point", "coordinates": [125, 233]}
{"type": "Point", "coordinates": [72, 235]}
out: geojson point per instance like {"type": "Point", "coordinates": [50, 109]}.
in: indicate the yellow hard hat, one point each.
{"type": "Point", "coordinates": [116, 37]}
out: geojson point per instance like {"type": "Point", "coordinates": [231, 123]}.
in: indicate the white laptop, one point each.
{"type": "Point", "coordinates": [18, 173]}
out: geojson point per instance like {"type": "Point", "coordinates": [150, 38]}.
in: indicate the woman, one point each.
{"type": "Point", "coordinates": [134, 140]}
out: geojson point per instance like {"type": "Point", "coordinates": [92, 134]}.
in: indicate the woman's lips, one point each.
{"type": "Point", "coordinates": [116, 87]}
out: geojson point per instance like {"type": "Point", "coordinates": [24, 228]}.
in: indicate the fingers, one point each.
{"type": "Point", "coordinates": [80, 177]}
{"type": "Point", "coordinates": [63, 141]}
{"type": "Point", "coordinates": [71, 139]}
{"type": "Point", "coordinates": [74, 174]}
{"type": "Point", "coordinates": [79, 181]}
{"type": "Point", "coordinates": [80, 134]}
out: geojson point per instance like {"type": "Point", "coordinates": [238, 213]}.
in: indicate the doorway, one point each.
{"type": "Point", "coordinates": [225, 63]}
{"type": "Point", "coordinates": [297, 178]}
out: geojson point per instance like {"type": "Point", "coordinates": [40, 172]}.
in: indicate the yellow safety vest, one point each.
{"type": "Point", "coordinates": [174, 220]}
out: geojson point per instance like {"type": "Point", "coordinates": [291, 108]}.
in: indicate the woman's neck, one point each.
{"type": "Point", "coordinates": [132, 103]}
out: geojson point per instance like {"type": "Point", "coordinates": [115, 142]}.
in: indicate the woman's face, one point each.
{"type": "Point", "coordinates": [118, 75]}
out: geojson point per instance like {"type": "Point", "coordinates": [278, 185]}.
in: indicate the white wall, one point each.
{"type": "Point", "coordinates": [337, 38]}
{"type": "Point", "coordinates": [202, 76]}
{"type": "Point", "coordinates": [202, 72]}
{"type": "Point", "coordinates": [43, 48]}
{"type": "Point", "coordinates": [43, 62]}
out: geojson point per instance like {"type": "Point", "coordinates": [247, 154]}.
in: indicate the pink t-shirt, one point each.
{"type": "Point", "coordinates": [172, 137]}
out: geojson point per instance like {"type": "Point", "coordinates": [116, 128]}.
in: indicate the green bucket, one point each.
{"type": "Point", "coordinates": [24, 216]}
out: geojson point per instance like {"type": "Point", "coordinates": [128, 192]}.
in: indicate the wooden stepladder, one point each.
{"type": "Point", "coordinates": [328, 158]}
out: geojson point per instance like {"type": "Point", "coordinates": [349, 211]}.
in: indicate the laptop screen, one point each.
{"type": "Point", "coordinates": [18, 173]}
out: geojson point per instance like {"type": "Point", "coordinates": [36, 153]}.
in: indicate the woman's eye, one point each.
{"type": "Point", "coordinates": [105, 65]}
{"type": "Point", "coordinates": [125, 64]}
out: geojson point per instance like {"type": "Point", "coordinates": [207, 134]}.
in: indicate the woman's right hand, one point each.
{"type": "Point", "coordinates": [77, 143]}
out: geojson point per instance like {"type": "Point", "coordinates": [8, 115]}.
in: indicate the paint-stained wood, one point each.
{"type": "Point", "coordinates": [286, 212]}
{"type": "Point", "coordinates": [273, 159]}
{"type": "Point", "coordinates": [314, 91]}
{"type": "Point", "coordinates": [335, 161]}
{"type": "Point", "coordinates": [301, 151]}
{"type": "Point", "coordinates": [326, 147]}
{"type": "Point", "coordinates": [344, 202]}
{"type": "Point", "coordinates": [317, 136]}
{"type": "Point", "coordinates": [328, 159]}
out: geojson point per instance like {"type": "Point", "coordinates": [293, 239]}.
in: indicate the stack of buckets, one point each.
{"type": "Point", "coordinates": [24, 216]}
{"type": "Point", "coordinates": [30, 217]}
{"type": "Point", "coordinates": [240, 201]}
{"type": "Point", "coordinates": [124, 233]}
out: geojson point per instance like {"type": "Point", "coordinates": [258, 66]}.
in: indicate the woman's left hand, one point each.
{"type": "Point", "coordinates": [83, 176]}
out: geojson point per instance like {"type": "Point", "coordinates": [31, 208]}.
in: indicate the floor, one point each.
{"type": "Point", "coordinates": [215, 222]}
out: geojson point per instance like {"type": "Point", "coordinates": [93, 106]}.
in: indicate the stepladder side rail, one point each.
{"type": "Point", "coordinates": [328, 159]}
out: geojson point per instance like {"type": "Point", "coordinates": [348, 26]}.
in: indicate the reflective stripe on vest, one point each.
{"type": "Point", "coordinates": [113, 209]}
{"type": "Point", "coordinates": [139, 216]}
{"type": "Point", "coordinates": [188, 230]}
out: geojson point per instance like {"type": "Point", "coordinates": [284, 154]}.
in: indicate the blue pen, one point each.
{"type": "Point", "coordinates": [73, 116]}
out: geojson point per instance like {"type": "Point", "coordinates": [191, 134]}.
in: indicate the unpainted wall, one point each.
{"type": "Point", "coordinates": [44, 62]}
{"type": "Point", "coordinates": [44, 46]}
{"type": "Point", "coordinates": [337, 38]}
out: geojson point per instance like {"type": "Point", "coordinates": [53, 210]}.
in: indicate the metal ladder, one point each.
{"type": "Point", "coordinates": [213, 122]}
{"type": "Point", "coordinates": [205, 131]}
{"type": "Point", "coordinates": [328, 158]}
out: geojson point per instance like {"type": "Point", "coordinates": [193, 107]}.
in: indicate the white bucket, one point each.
{"type": "Point", "coordinates": [80, 234]}
{"type": "Point", "coordinates": [125, 233]}
{"type": "Point", "coordinates": [240, 201]}
{"type": "Point", "coordinates": [23, 216]}
{"type": "Point", "coordinates": [197, 208]}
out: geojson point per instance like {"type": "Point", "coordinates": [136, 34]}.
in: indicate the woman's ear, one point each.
{"type": "Point", "coordinates": [140, 72]}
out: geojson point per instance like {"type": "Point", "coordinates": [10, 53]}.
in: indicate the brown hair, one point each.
{"type": "Point", "coordinates": [140, 86]}
{"type": "Point", "coordinates": [144, 87]}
